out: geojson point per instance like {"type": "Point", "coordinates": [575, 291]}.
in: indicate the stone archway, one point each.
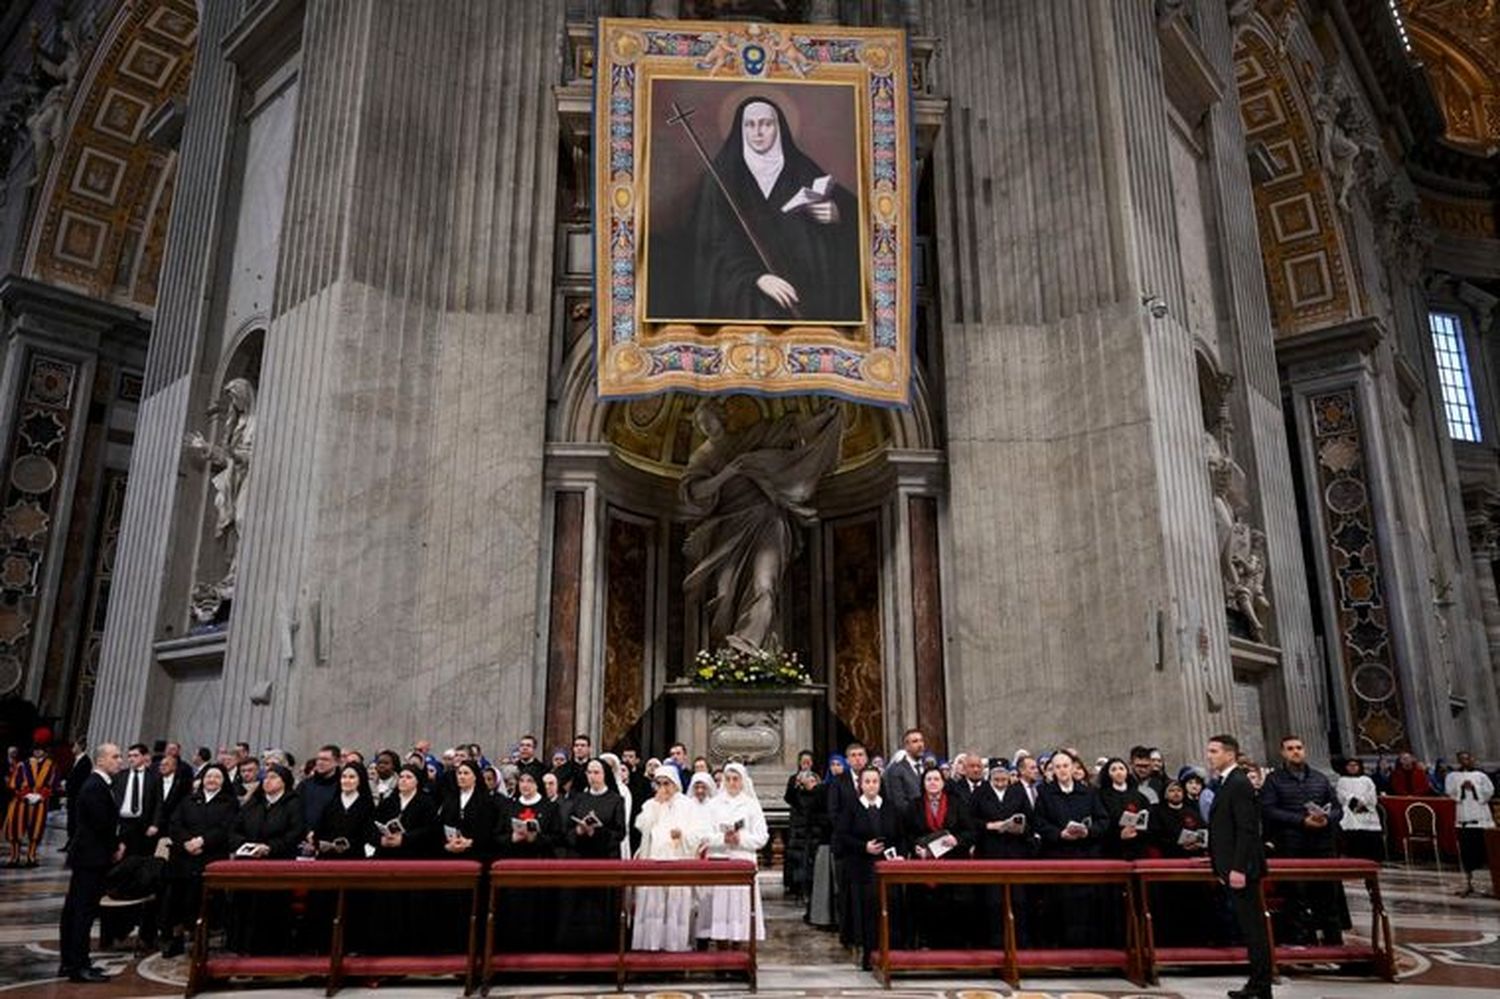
{"type": "Point", "coordinates": [100, 220]}
{"type": "Point", "coordinates": [1310, 278]}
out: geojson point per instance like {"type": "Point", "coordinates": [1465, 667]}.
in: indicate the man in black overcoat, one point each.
{"type": "Point", "coordinates": [1236, 847]}
{"type": "Point", "coordinates": [95, 846]}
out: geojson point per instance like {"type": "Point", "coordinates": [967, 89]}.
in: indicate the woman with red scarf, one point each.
{"type": "Point", "coordinates": [938, 827]}
{"type": "Point", "coordinates": [527, 827]}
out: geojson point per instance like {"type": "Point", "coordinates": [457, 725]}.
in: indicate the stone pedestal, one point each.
{"type": "Point", "coordinates": [764, 729]}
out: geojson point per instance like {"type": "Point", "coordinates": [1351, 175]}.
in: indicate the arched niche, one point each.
{"type": "Point", "coordinates": [620, 626]}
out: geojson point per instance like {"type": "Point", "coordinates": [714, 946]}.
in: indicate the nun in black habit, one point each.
{"type": "Point", "coordinates": [593, 824]}
{"type": "Point", "coordinates": [811, 245]}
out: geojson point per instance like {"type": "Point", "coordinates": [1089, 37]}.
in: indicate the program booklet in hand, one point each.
{"type": "Point", "coordinates": [1077, 827]}
{"type": "Point", "coordinates": [938, 844]}
{"type": "Point", "coordinates": [591, 820]}
{"type": "Point", "coordinates": [340, 845]}
{"type": "Point", "coordinates": [1017, 822]}
{"type": "Point", "coordinates": [1134, 820]}
{"type": "Point", "coordinates": [1189, 838]}
{"type": "Point", "coordinates": [391, 828]}
{"type": "Point", "coordinates": [246, 851]}
{"type": "Point", "coordinates": [524, 825]}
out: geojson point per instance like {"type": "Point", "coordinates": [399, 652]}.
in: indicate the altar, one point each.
{"type": "Point", "coordinates": [763, 728]}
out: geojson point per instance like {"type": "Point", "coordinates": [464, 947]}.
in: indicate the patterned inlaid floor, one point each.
{"type": "Point", "coordinates": [1448, 948]}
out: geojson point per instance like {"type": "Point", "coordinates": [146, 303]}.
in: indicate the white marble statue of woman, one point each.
{"type": "Point", "coordinates": [749, 492]}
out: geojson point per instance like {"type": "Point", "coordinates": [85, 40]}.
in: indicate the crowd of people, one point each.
{"type": "Point", "coordinates": [149, 820]}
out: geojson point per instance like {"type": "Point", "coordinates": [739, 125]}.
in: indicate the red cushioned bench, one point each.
{"type": "Point", "coordinates": [621, 874]}
{"type": "Point", "coordinates": [1379, 953]}
{"type": "Point", "coordinates": [1007, 873]}
{"type": "Point", "coordinates": [339, 877]}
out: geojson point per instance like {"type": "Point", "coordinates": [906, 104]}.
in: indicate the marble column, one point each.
{"type": "Point", "coordinates": [1079, 510]}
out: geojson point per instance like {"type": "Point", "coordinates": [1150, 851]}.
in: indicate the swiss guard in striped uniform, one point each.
{"type": "Point", "coordinates": [31, 784]}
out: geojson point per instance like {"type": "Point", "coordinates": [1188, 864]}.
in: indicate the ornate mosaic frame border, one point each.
{"type": "Point", "coordinates": [870, 362]}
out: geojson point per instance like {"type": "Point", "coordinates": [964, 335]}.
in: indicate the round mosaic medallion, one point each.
{"type": "Point", "coordinates": [1373, 682]}
{"type": "Point", "coordinates": [1345, 496]}
{"type": "Point", "coordinates": [32, 473]}
{"type": "Point", "coordinates": [10, 674]}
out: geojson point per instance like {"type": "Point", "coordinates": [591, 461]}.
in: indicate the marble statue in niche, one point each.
{"type": "Point", "coordinates": [228, 461]}
{"type": "Point", "coordinates": [747, 492]}
{"type": "Point", "coordinates": [56, 80]}
{"type": "Point", "coordinates": [1344, 141]}
{"type": "Point", "coordinates": [1241, 547]}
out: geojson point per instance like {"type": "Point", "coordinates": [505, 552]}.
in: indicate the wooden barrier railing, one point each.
{"type": "Point", "coordinates": [618, 874]}
{"type": "Point", "coordinates": [1381, 951]}
{"type": "Point", "coordinates": [338, 877]}
{"type": "Point", "coordinates": [1141, 956]}
{"type": "Point", "coordinates": [1007, 874]}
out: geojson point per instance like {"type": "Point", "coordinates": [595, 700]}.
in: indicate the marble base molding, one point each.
{"type": "Point", "coordinates": [763, 728]}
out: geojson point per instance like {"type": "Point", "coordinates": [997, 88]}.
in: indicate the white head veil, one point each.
{"type": "Point", "coordinates": [764, 167]}
{"type": "Point", "coordinates": [749, 785]}
{"type": "Point", "coordinates": [668, 773]}
{"type": "Point", "coordinates": [698, 778]}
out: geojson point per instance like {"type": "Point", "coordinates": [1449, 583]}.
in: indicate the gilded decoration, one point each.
{"type": "Point", "coordinates": [1459, 43]}
{"type": "Point", "coordinates": [1368, 661]}
{"type": "Point", "coordinates": [753, 210]}
{"type": "Point", "coordinates": [656, 433]}
{"type": "Point", "coordinates": [1306, 261]}
{"type": "Point", "coordinates": [100, 222]}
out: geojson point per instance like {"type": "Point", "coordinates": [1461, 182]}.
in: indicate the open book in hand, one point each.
{"type": "Point", "coordinates": [339, 845]}
{"type": "Point", "coordinates": [591, 820]}
{"type": "Point", "coordinates": [736, 826]}
{"type": "Point", "coordinates": [1190, 838]}
{"type": "Point", "coordinates": [814, 194]}
{"type": "Point", "coordinates": [524, 826]}
{"type": "Point", "coordinates": [247, 851]}
{"type": "Point", "coordinates": [391, 828]}
{"type": "Point", "coordinates": [1016, 823]}
{"type": "Point", "coordinates": [1076, 828]}
{"type": "Point", "coordinates": [1134, 820]}
{"type": "Point", "coordinates": [450, 832]}
{"type": "Point", "coordinates": [938, 844]}
{"type": "Point", "coordinates": [1313, 808]}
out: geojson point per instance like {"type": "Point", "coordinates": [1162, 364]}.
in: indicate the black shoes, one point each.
{"type": "Point", "coordinates": [83, 976]}
{"type": "Point", "coordinates": [1249, 991]}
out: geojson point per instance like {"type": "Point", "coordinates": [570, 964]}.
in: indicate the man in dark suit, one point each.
{"type": "Point", "coordinates": [83, 765]}
{"type": "Point", "coordinates": [903, 777]}
{"type": "Point", "coordinates": [863, 832]}
{"type": "Point", "coordinates": [137, 792]}
{"type": "Point", "coordinates": [1236, 848]}
{"type": "Point", "coordinates": [95, 846]}
{"type": "Point", "coordinates": [843, 792]}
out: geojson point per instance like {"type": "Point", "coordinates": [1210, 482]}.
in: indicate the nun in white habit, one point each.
{"type": "Point", "coordinates": [672, 828]}
{"type": "Point", "coordinates": [700, 794]}
{"type": "Point", "coordinates": [738, 832]}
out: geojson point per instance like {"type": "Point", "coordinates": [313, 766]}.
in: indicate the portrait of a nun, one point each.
{"type": "Point", "coordinates": [810, 241]}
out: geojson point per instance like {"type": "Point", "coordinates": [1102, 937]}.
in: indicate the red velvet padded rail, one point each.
{"type": "Point", "coordinates": [1200, 955]}
{"type": "Point", "coordinates": [623, 866]}
{"type": "Point", "coordinates": [977, 958]}
{"type": "Point", "coordinates": [554, 962]}
{"type": "Point", "coordinates": [333, 870]}
{"type": "Point", "coordinates": [1112, 867]}
{"type": "Point", "coordinates": [685, 960]}
{"type": "Point", "coordinates": [1066, 957]}
{"type": "Point", "coordinates": [1324, 955]}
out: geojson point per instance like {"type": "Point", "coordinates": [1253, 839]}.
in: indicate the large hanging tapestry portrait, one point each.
{"type": "Point", "coordinates": [753, 218]}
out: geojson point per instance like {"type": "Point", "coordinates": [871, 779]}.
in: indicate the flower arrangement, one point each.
{"type": "Point", "coordinates": [730, 667]}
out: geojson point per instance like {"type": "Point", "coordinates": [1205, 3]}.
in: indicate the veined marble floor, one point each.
{"type": "Point", "coordinates": [1449, 948]}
